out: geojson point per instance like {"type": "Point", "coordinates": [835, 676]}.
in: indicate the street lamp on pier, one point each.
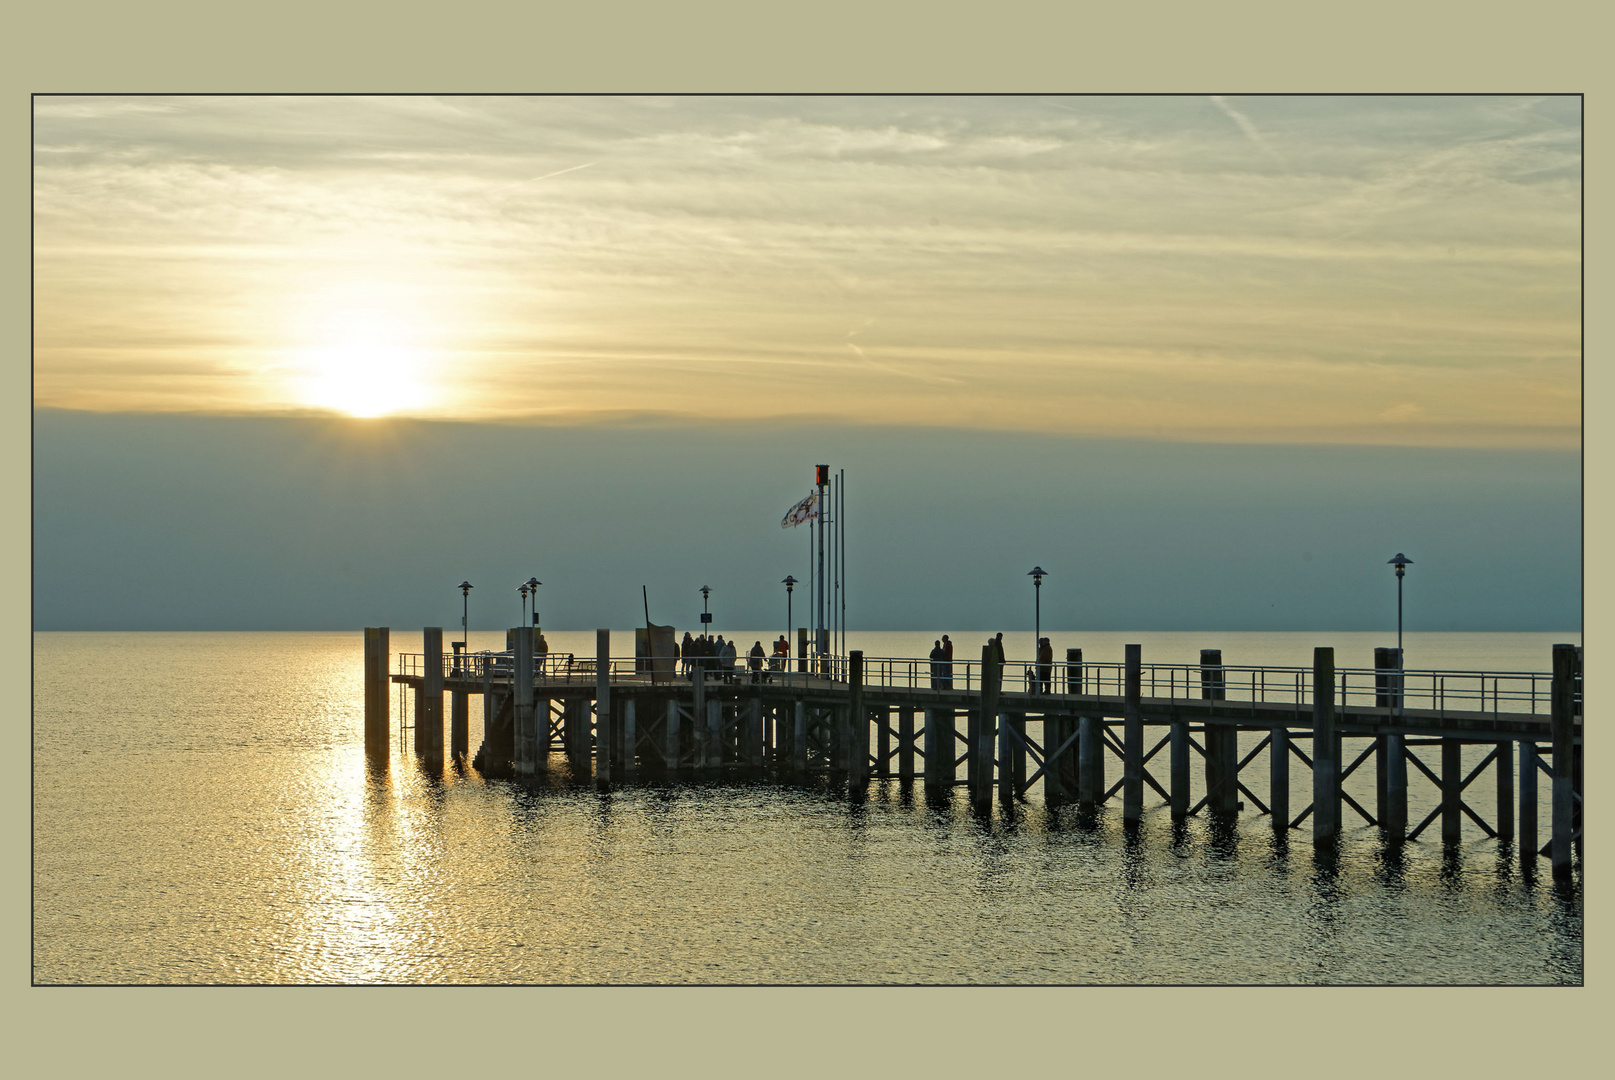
{"type": "Point", "coordinates": [532, 587]}
{"type": "Point", "coordinates": [706, 616]}
{"type": "Point", "coordinates": [790, 584]}
{"type": "Point", "coordinates": [1037, 574]}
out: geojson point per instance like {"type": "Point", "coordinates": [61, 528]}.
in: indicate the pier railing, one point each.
{"type": "Point", "coordinates": [1438, 691]}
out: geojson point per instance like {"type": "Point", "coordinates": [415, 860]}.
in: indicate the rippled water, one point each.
{"type": "Point", "coordinates": [203, 814]}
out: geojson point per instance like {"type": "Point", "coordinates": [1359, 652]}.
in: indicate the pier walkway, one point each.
{"type": "Point", "coordinates": [1003, 728]}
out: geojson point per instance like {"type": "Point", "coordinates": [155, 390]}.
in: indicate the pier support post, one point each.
{"type": "Point", "coordinates": [1017, 750]}
{"type": "Point", "coordinates": [1564, 739]}
{"type": "Point", "coordinates": [698, 717]}
{"type": "Point", "coordinates": [714, 739]}
{"type": "Point", "coordinates": [883, 742]}
{"type": "Point", "coordinates": [1503, 769]}
{"type": "Point", "coordinates": [1006, 757]}
{"type": "Point", "coordinates": [630, 740]}
{"type": "Point", "coordinates": [986, 725]}
{"type": "Point", "coordinates": [754, 734]}
{"type": "Point", "coordinates": [801, 649]}
{"type": "Point", "coordinates": [905, 742]}
{"type": "Point", "coordinates": [459, 724]}
{"type": "Point", "coordinates": [1528, 802]}
{"type": "Point", "coordinates": [938, 748]}
{"type": "Point", "coordinates": [530, 731]}
{"type": "Point", "coordinates": [1222, 741]}
{"type": "Point", "coordinates": [1452, 779]}
{"type": "Point", "coordinates": [1325, 764]}
{"type": "Point", "coordinates": [430, 723]}
{"type": "Point", "coordinates": [1133, 738]}
{"type": "Point", "coordinates": [603, 742]}
{"type": "Point", "coordinates": [1180, 770]}
{"type": "Point", "coordinates": [1090, 761]}
{"type": "Point", "coordinates": [670, 740]}
{"type": "Point", "coordinates": [377, 714]}
{"type": "Point", "coordinates": [858, 719]}
{"type": "Point", "coordinates": [1278, 779]}
{"type": "Point", "coordinates": [1390, 765]}
{"type": "Point", "coordinates": [1055, 733]}
{"type": "Point", "coordinates": [799, 740]}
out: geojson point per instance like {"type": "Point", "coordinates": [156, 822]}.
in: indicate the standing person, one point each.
{"type": "Point", "coordinates": [947, 663]}
{"type": "Point", "coordinates": [686, 652]}
{"type": "Point", "coordinates": [756, 664]}
{"type": "Point", "coordinates": [1045, 665]}
{"type": "Point", "coordinates": [936, 666]}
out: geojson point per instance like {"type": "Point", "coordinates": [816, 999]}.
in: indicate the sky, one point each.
{"type": "Point", "coordinates": [1216, 359]}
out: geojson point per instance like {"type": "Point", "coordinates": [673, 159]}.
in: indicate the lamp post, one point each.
{"type": "Point", "coordinates": [706, 616]}
{"type": "Point", "coordinates": [465, 610]}
{"type": "Point", "coordinates": [1036, 573]}
{"type": "Point", "coordinates": [532, 587]}
{"type": "Point", "coordinates": [1401, 562]}
{"type": "Point", "coordinates": [790, 584]}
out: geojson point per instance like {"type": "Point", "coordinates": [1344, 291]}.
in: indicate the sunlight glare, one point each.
{"type": "Point", "coordinates": [366, 368]}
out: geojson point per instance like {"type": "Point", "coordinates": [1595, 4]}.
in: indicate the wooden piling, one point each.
{"type": "Point", "coordinates": [883, 743]}
{"type": "Point", "coordinates": [630, 740]}
{"type": "Point", "coordinates": [753, 752]}
{"type": "Point", "coordinates": [603, 741]}
{"type": "Point", "coordinates": [528, 734]}
{"type": "Point", "coordinates": [1452, 779]}
{"type": "Point", "coordinates": [938, 748]}
{"type": "Point", "coordinates": [459, 724]}
{"type": "Point", "coordinates": [430, 723]}
{"type": "Point", "coordinates": [1325, 764]}
{"type": "Point", "coordinates": [905, 742]}
{"type": "Point", "coordinates": [858, 720]}
{"type": "Point", "coordinates": [1180, 770]}
{"type": "Point", "coordinates": [1503, 770]}
{"type": "Point", "coordinates": [377, 700]}
{"type": "Point", "coordinates": [1527, 839]}
{"type": "Point", "coordinates": [1390, 764]}
{"type": "Point", "coordinates": [801, 649]}
{"type": "Point", "coordinates": [799, 740]}
{"type": "Point", "coordinates": [1091, 783]}
{"type": "Point", "coordinates": [1278, 779]}
{"type": "Point", "coordinates": [1562, 723]}
{"type": "Point", "coordinates": [1133, 738]}
{"type": "Point", "coordinates": [672, 752]}
{"type": "Point", "coordinates": [1017, 749]}
{"type": "Point", "coordinates": [698, 717]}
{"type": "Point", "coordinates": [1005, 756]}
{"type": "Point", "coordinates": [1055, 727]}
{"type": "Point", "coordinates": [1222, 741]}
{"type": "Point", "coordinates": [714, 739]}
{"type": "Point", "coordinates": [986, 717]}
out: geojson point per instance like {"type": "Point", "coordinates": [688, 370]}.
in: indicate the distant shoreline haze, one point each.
{"type": "Point", "coordinates": [191, 522]}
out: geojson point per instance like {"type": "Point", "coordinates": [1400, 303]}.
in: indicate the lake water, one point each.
{"type": "Point", "coordinates": [203, 814]}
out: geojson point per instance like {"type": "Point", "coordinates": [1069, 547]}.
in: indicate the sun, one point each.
{"type": "Point", "coordinates": [367, 366]}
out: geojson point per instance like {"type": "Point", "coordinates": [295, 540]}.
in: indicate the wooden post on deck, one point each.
{"type": "Point", "coordinates": [430, 723]}
{"type": "Point", "coordinates": [603, 741]}
{"type": "Point", "coordinates": [801, 649]}
{"type": "Point", "coordinates": [1325, 765]}
{"type": "Point", "coordinates": [1564, 740]}
{"type": "Point", "coordinates": [531, 730]}
{"type": "Point", "coordinates": [1133, 738]}
{"type": "Point", "coordinates": [858, 721]}
{"type": "Point", "coordinates": [905, 742]}
{"type": "Point", "coordinates": [377, 714]}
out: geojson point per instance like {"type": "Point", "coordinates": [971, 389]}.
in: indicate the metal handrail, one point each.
{"type": "Point", "coordinates": [1433, 690]}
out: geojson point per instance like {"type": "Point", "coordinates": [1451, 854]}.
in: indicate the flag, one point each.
{"type": "Point", "coordinates": [802, 511]}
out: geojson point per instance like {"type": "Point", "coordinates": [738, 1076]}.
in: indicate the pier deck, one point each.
{"type": "Point", "coordinates": [818, 717]}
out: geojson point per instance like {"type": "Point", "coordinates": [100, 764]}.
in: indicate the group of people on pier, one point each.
{"type": "Point", "coordinates": [718, 657]}
{"type": "Point", "coordinates": [942, 663]}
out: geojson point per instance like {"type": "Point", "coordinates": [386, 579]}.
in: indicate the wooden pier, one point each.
{"type": "Point", "coordinates": [995, 728]}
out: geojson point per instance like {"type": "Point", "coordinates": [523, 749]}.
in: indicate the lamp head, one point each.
{"type": "Point", "coordinates": [789, 582]}
{"type": "Point", "coordinates": [1400, 561]}
{"type": "Point", "coordinates": [533, 583]}
{"type": "Point", "coordinates": [465, 588]}
{"type": "Point", "coordinates": [1036, 573]}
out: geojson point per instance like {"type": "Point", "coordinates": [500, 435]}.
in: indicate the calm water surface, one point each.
{"type": "Point", "coordinates": [203, 814]}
